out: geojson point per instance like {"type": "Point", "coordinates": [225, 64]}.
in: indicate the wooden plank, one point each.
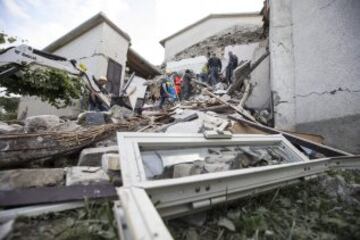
{"type": "Point", "coordinates": [240, 110]}
{"type": "Point", "coordinates": [47, 195]}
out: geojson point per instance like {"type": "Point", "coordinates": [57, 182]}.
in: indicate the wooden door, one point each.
{"type": "Point", "coordinates": [114, 71]}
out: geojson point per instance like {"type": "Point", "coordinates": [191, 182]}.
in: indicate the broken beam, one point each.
{"type": "Point", "coordinates": [324, 149]}
{"type": "Point", "coordinates": [238, 109]}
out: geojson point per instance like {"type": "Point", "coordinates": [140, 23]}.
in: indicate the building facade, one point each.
{"type": "Point", "coordinates": [205, 28]}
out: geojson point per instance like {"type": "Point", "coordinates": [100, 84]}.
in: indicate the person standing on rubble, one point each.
{"type": "Point", "coordinates": [167, 91]}
{"type": "Point", "coordinates": [95, 104]}
{"type": "Point", "coordinates": [233, 62]}
{"type": "Point", "coordinates": [204, 74]}
{"type": "Point", "coordinates": [186, 85]}
{"type": "Point", "coordinates": [214, 66]}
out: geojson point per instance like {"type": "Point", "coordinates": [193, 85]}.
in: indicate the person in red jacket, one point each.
{"type": "Point", "coordinates": [177, 83]}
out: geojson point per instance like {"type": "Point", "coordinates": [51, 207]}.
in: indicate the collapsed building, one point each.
{"type": "Point", "coordinates": [105, 50]}
{"type": "Point", "coordinates": [211, 150]}
{"type": "Point", "coordinates": [304, 72]}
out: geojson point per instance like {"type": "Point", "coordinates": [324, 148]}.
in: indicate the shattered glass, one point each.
{"type": "Point", "coordinates": [174, 163]}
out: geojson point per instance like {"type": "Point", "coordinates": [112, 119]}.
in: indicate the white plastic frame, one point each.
{"type": "Point", "coordinates": [130, 142]}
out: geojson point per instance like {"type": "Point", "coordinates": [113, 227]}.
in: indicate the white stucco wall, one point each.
{"type": "Point", "coordinates": [204, 30]}
{"type": "Point", "coordinates": [93, 49]}
{"type": "Point", "coordinates": [315, 49]}
{"type": "Point", "coordinates": [115, 47]}
{"type": "Point", "coordinates": [326, 39]}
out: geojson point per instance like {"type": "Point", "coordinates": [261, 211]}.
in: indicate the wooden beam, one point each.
{"type": "Point", "coordinates": [47, 195]}
{"type": "Point", "coordinates": [240, 110]}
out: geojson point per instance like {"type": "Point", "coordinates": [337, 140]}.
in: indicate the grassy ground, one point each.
{"type": "Point", "coordinates": [323, 208]}
{"type": "Point", "coordinates": [95, 221]}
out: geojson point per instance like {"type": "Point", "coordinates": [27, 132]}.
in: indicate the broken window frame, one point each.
{"type": "Point", "coordinates": [210, 188]}
{"type": "Point", "coordinates": [137, 217]}
{"type": "Point", "coordinates": [132, 166]}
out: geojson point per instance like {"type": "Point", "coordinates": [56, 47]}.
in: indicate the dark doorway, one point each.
{"type": "Point", "coordinates": [114, 77]}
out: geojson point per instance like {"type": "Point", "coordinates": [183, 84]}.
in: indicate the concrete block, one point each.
{"type": "Point", "coordinates": [182, 170]}
{"type": "Point", "coordinates": [85, 176]}
{"type": "Point", "coordinates": [110, 161]}
{"type": "Point", "coordinates": [92, 156]}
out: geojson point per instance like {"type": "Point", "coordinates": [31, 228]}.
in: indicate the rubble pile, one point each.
{"type": "Point", "coordinates": [72, 178]}
{"type": "Point", "coordinates": [238, 34]}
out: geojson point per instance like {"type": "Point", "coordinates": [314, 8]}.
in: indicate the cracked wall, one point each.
{"type": "Point", "coordinates": [282, 64]}
{"type": "Point", "coordinates": [326, 40]}
{"type": "Point", "coordinates": [320, 82]}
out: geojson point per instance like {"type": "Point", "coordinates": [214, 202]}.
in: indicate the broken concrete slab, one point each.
{"type": "Point", "coordinates": [26, 178]}
{"type": "Point", "coordinates": [41, 123]}
{"type": "Point", "coordinates": [260, 81]}
{"type": "Point", "coordinates": [119, 112]}
{"type": "Point", "coordinates": [86, 176]}
{"type": "Point", "coordinates": [186, 127]}
{"type": "Point", "coordinates": [92, 156]}
{"type": "Point", "coordinates": [136, 90]}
